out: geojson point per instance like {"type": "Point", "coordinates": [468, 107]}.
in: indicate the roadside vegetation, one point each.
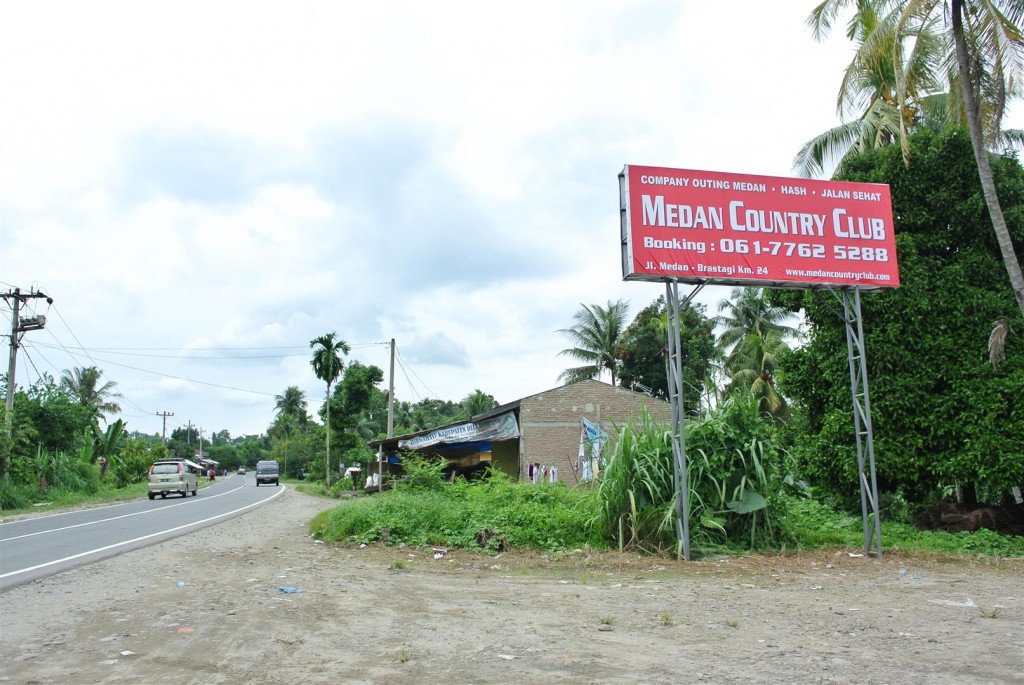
{"type": "Point", "coordinates": [495, 515]}
{"type": "Point", "coordinates": [741, 501]}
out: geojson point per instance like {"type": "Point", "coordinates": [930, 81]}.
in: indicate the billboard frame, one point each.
{"type": "Point", "coordinates": [849, 296]}
{"type": "Point", "coordinates": [863, 429]}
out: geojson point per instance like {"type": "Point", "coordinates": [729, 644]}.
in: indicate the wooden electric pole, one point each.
{"type": "Point", "coordinates": [18, 325]}
{"type": "Point", "coordinates": [165, 414]}
{"type": "Point", "coordinates": [391, 393]}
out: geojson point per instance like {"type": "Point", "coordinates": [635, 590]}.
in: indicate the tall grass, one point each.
{"type": "Point", "coordinates": [636, 494]}
{"type": "Point", "coordinates": [64, 470]}
{"type": "Point", "coordinates": [733, 472]}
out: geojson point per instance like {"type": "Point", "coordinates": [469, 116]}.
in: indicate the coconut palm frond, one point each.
{"type": "Point", "coordinates": [997, 342]}
{"type": "Point", "coordinates": [827, 149]}
{"type": "Point", "coordinates": [596, 339]}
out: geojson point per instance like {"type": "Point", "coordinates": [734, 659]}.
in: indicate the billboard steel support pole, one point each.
{"type": "Point", "coordinates": [675, 393]}
{"type": "Point", "coordinates": [863, 434]}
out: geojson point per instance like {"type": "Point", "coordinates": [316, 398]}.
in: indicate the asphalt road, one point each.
{"type": "Point", "coordinates": [36, 547]}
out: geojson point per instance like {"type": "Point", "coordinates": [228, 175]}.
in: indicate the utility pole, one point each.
{"type": "Point", "coordinates": [165, 414]}
{"type": "Point", "coordinates": [19, 325]}
{"type": "Point", "coordinates": [391, 393]}
{"type": "Point", "coordinates": [391, 420]}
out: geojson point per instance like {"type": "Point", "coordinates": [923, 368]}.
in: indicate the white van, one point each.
{"type": "Point", "coordinates": [172, 476]}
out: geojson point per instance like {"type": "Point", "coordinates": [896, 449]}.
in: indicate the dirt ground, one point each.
{"type": "Point", "coordinates": [391, 615]}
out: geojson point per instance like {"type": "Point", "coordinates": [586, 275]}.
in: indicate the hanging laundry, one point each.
{"type": "Point", "coordinates": [592, 439]}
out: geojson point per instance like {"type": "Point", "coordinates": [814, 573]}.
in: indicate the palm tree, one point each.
{"type": "Point", "coordinates": [83, 383]}
{"type": "Point", "coordinates": [754, 333]}
{"type": "Point", "coordinates": [596, 339]}
{"type": "Point", "coordinates": [751, 366]}
{"type": "Point", "coordinates": [292, 402]}
{"type": "Point", "coordinates": [748, 312]}
{"type": "Point", "coordinates": [420, 418]}
{"type": "Point", "coordinates": [477, 402]}
{"type": "Point", "coordinates": [327, 366]}
{"type": "Point", "coordinates": [284, 427]}
{"type": "Point", "coordinates": [993, 28]}
{"type": "Point", "coordinates": [870, 90]}
{"type": "Point", "coordinates": [402, 414]}
{"type": "Point", "coordinates": [985, 66]}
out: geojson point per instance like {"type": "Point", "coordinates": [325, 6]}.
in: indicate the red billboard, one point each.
{"type": "Point", "coordinates": [739, 229]}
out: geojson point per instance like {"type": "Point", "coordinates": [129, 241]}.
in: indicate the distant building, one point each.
{"type": "Point", "coordinates": [203, 458]}
{"type": "Point", "coordinates": [561, 428]}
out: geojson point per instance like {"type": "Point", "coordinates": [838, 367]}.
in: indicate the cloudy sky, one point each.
{"type": "Point", "coordinates": [204, 187]}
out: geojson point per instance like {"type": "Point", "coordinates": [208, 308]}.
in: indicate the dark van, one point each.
{"type": "Point", "coordinates": [267, 472]}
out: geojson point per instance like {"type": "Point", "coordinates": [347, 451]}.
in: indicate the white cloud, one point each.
{"type": "Point", "coordinates": [243, 177]}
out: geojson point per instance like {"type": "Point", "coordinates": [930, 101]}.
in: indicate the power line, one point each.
{"type": "Point", "coordinates": [63, 321]}
{"type": "Point", "coordinates": [68, 352]}
{"type": "Point", "coordinates": [32, 363]}
{"type": "Point", "coordinates": [118, 351]}
{"type": "Point", "coordinates": [188, 353]}
{"type": "Point", "coordinates": [179, 378]}
{"type": "Point", "coordinates": [405, 366]}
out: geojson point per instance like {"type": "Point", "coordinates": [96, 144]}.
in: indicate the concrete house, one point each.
{"type": "Point", "coordinates": [535, 438]}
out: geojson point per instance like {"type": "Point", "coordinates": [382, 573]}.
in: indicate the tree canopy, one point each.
{"type": "Point", "coordinates": [644, 354]}
{"type": "Point", "coordinates": [941, 414]}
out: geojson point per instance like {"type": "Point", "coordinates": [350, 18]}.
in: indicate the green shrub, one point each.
{"type": "Point", "coordinates": [812, 524]}
{"type": "Point", "coordinates": [59, 470]}
{"type": "Point", "coordinates": [16, 496]}
{"type": "Point", "coordinates": [982, 542]}
{"type": "Point", "coordinates": [894, 507]}
{"type": "Point", "coordinates": [341, 485]}
{"type": "Point", "coordinates": [421, 473]}
{"type": "Point", "coordinates": [636, 492]}
{"type": "Point", "coordinates": [735, 472]}
{"type": "Point", "coordinates": [132, 463]}
{"type": "Point", "coordinates": [90, 476]}
{"type": "Point", "coordinates": [492, 513]}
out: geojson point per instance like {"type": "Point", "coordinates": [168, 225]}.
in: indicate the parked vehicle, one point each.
{"type": "Point", "coordinates": [172, 476]}
{"type": "Point", "coordinates": [267, 472]}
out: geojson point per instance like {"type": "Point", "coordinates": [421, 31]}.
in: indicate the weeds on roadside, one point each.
{"type": "Point", "coordinates": [492, 514]}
